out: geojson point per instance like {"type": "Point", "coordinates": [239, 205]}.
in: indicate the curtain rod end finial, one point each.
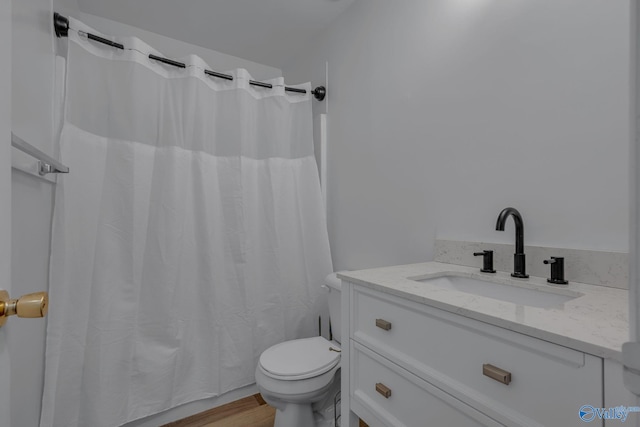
{"type": "Point", "coordinates": [320, 93]}
{"type": "Point", "coordinates": [60, 25]}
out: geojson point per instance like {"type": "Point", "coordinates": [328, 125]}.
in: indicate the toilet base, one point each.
{"type": "Point", "coordinates": [297, 402]}
{"type": "Point", "coordinates": [295, 415]}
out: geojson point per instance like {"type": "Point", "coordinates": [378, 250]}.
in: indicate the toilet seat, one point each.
{"type": "Point", "coordinates": [300, 359]}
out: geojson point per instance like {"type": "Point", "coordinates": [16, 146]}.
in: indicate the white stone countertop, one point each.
{"type": "Point", "coordinates": [596, 322]}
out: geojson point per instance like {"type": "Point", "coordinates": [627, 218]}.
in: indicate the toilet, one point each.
{"type": "Point", "coordinates": [301, 377]}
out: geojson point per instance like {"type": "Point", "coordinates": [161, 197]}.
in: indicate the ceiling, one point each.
{"type": "Point", "coordinates": [263, 31]}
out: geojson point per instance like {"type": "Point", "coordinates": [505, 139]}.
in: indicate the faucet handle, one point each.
{"type": "Point", "coordinates": [557, 270]}
{"type": "Point", "coordinates": [487, 261]}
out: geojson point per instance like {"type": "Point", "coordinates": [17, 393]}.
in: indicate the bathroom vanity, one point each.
{"type": "Point", "coordinates": [436, 344]}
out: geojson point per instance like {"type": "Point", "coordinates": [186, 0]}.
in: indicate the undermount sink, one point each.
{"type": "Point", "coordinates": [532, 295]}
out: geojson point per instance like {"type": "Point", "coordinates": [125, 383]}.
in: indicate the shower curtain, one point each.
{"type": "Point", "coordinates": [189, 236]}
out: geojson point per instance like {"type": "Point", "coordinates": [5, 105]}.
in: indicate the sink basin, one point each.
{"type": "Point", "coordinates": [531, 295]}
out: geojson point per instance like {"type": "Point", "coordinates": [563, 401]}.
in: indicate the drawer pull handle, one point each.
{"type": "Point", "coordinates": [496, 373]}
{"type": "Point", "coordinates": [383, 390]}
{"type": "Point", "coordinates": [383, 324]}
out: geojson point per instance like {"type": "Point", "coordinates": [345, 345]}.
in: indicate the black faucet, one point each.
{"type": "Point", "coordinates": [557, 270]}
{"type": "Point", "coordinates": [519, 257]}
{"type": "Point", "coordinates": [487, 261]}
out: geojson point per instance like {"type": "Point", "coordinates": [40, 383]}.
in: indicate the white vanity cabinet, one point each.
{"type": "Point", "coordinates": [409, 364]}
{"type": "Point", "coordinates": [615, 393]}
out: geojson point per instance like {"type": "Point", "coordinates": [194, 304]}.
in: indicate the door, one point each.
{"type": "Point", "coordinates": [5, 195]}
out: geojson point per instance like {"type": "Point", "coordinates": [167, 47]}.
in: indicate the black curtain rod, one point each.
{"type": "Point", "coordinates": [168, 61]}
{"type": "Point", "coordinates": [105, 41]}
{"type": "Point", "coordinates": [61, 26]}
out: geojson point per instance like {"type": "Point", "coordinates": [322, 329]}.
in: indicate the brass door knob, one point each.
{"type": "Point", "coordinates": [30, 305]}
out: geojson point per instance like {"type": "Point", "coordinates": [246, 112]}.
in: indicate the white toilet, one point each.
{"type": "Point", "coordinates": [302, 376]}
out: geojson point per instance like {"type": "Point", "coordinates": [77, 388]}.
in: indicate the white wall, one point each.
{"type": "Point", "coordinates": [66, 7]}
{"type": "Point", "coordinates": [32, 111]}
{"type": "Point", "coordinates": [5, 208]}
{"type": "Point", "coordinates": [634, 160]}
{"type": "Point", "coordinates": [444, 112]}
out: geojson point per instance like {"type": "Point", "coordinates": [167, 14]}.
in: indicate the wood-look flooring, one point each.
{"type": "Point", "coordinates": [251, 411]}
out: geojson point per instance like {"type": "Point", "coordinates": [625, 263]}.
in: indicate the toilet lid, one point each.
{"type": "Point", "coordinates": [300, 359]}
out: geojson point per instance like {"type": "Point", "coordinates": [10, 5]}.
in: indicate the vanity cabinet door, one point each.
{"type": "Point", "coordinates": [616, 394]}
{"type": "Point", "coordinates": [392, 396]}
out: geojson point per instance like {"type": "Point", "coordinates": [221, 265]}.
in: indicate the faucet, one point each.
{"type": "Point", "coordinates": [519, 257]}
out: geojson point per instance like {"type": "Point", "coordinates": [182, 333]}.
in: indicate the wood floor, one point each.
{"type": "Point", "coordinates": [251, 411]}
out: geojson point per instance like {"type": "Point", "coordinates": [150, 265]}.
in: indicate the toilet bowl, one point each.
{"type": "Point", "coordinates": [297, 377]}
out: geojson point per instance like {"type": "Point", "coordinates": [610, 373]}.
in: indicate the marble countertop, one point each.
{"type": "Point", "coordinates": [596, 322]}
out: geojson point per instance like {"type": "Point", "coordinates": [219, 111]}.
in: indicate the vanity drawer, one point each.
{"type": "Point", "coordinates": [396, 398]}
{"type": "Point", "coordinates": [549, 383]}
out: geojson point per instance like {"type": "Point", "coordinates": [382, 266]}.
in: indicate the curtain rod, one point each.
{"type": "Point", "coordinates": [61, 26]}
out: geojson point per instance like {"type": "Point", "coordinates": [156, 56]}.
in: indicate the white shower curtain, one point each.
{"type": "Point", "coordinates": [189, 236]}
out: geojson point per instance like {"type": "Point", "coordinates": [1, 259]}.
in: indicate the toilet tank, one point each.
{"type": "Point", "coordinates": [334, 285]}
